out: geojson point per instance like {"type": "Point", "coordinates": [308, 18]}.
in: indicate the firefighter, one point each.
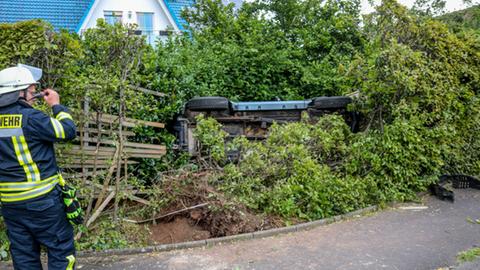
{"type": "Point", "coordinates": [30, 182]}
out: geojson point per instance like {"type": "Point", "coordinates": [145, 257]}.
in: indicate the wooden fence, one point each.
{"type": "Point", "coordinates": [105, 146]}
{"type": "Point", "coordinates": [98, 143]}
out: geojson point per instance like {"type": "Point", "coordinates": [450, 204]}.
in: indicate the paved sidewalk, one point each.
{"type": "Point", "coordinates": [475, 265]}
{"type": "Point", "coordinates": [399, 239]}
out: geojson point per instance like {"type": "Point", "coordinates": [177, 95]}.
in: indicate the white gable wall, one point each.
{"type": "Point", "coordinates": [162, 20]}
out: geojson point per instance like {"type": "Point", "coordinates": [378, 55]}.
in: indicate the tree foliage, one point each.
{"type": "Point", "coordinates": [35, 43]}
{"type": "Point", "coordinates": [418, 90]}
{"type": "Point", "coordinates": [417, 82]}
{"type": "Point", "coordinates": [463, 19]}
{"type": "Point", "coordinates": [245, 55]}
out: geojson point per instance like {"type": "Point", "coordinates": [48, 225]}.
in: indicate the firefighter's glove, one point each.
{"type": "Point", "coordinates": [72, 205]}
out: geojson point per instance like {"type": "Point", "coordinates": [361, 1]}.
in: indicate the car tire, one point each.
{"type": "Point", "coordinates": [339, 102]}
{"type": "Point", "coordinates": [208, 104]}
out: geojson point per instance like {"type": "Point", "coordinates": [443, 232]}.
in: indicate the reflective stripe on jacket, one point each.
{"type": "Point", "coordinates": [28, 168]}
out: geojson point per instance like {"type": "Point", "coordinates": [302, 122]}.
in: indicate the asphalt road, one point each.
{"type": "Point", "coordinates": [427, 237]}
{"type": "Point", "coordinates": [423, 237]}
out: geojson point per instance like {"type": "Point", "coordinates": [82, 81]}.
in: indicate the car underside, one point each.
{"type": "Point", "coordinates": [252, 119]}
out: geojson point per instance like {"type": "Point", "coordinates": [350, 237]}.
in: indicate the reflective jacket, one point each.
{"type": "Point", "coordinates": [28, 168]}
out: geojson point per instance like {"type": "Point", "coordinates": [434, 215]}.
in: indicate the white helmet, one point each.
{"type": "Point", "coordinates": [15, 79]}
{"type": "Point", "coordinates": [18, 78]}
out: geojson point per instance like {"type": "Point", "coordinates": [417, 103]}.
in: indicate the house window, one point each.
{"type": "Point", "coordinates": [145, 21]}
{"type": "Point", "coordinates": [112, 17]}
{"type": "Point", "coordinates": [145, 24]}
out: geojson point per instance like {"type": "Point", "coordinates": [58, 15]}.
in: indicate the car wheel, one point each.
{"type": "Point", "coordinates": [208, 104]}
{"type": "Point", "coordinates": [340, 102]}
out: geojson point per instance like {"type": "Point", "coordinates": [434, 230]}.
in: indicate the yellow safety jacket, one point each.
{"type": "Point", "coordinates": [28, 168]}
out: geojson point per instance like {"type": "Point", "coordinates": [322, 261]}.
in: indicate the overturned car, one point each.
{"type": "Point", "coordinates": [252, 119]}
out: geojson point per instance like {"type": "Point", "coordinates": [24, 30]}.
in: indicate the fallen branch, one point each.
{"type": "Point", "coordinates": [147, 91]}
{"type": "Point", "coordinates": [97, 213]}
{"type": "Point", "coordinates": [106, 182]}
{"type": "Point", "coordinates": [100, 209]}
{"type": "Point", "coordinates": [138, 199]}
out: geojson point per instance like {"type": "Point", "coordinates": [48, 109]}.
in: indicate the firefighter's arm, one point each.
{"type": "Point", "coordinates": [63, 116]}
{"type": "Point", "coordinates": [53, 129]}
{"type": "Point", "coordinates": [58, 128]}
{"type": "Point", "coordinates": [66, 129]}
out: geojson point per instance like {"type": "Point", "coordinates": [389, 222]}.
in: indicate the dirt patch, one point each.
{"type": "Point", "coordinates": [180, 229]}
{"type": "Point", "coordinates": [224, 219]}
{"type": "Point", "coordinates": [205, 223]}
{"type": "Point", "coordinates": [196, 210]}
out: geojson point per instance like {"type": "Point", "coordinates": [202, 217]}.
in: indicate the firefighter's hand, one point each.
{"type": "Point", "coordinates": [51, 97]}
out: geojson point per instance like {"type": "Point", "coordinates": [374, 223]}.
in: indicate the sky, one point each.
{"type": "Point", "coordinates": [451, 5]}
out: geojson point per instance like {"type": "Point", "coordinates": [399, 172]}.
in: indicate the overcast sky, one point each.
{"type": "Point", "coordinates": [451, 5]}
{"type": "Point", "coordinates": [366, 8]}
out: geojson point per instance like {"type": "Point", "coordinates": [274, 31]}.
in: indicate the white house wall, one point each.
{"type": "Point", "coordinates": [160, 21]}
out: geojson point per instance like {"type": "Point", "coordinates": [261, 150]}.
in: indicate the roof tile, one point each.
{"type": "Point", "coordinates": [176, 7]}
{"type": "Point", "coordinates": [62, 14]}
{"type": "Point", "coordinates": [68, 14]}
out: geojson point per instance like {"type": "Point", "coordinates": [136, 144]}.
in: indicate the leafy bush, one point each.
{"type": "Point", "coordinates": [463, 19]}
{"type": "Point", "coordinates": [468, 255]}
{"type": "Point", "coordinates": [4, 243]}
{"type": "Point", "coordinates": [35, 43]}
{"type": "Point", "coordinates": [299, 53]}
{"type": "Point", "coordinates": [211, 138]}
{"type": "Point", "coordinates": [22, 40]}
{"type": "Point", "coordinates": [426, 79]}
{"type": "Point", "coordinates": [418, 88]}
{"type": "Point", "coordinates": [113, 235]}
{"type": "Point", "coordinates": [297, 171]}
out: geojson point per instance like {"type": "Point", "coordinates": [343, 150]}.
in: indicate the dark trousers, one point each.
{"type": "Point", "coordinates": [40, 222]}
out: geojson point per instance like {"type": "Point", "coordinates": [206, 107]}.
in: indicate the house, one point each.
{"type": "Point", "coordinates": [155, 18]}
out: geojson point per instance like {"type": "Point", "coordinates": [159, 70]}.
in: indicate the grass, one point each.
{"type": "Point", "coordinates": [469, 255]}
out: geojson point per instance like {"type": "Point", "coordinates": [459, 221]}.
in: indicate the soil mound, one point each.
{"type": "Point", "coordinates": [201, 212]}
{"type": "Point", "coordinates": [180, 229]}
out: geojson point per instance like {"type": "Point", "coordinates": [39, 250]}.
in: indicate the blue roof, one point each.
{"type": "Point", "coordinates": [69, 14]}
{"type": "Point", "coordinates": [175, 8]}
{"type": "Point", "coordinates": [62, 14]}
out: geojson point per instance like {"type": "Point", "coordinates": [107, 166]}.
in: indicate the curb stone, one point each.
{"type": "Point", "coordinates": [231, 238]}
{"type": "Point", "coordinates": [227, 239]}
{"type": "Point", "coordinates": [185, 245]}
{"type": "Point", "coordinates": [276, 231]}
{"type": "Point", "coordinates": [314, 224]}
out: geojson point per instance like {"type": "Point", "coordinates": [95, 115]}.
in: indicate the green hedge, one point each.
{"type": "Point", "coordinates": [418, 86]}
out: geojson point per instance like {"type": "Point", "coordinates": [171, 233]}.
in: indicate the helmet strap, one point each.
{"type": "Point", "coordinates": [24, 91]}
